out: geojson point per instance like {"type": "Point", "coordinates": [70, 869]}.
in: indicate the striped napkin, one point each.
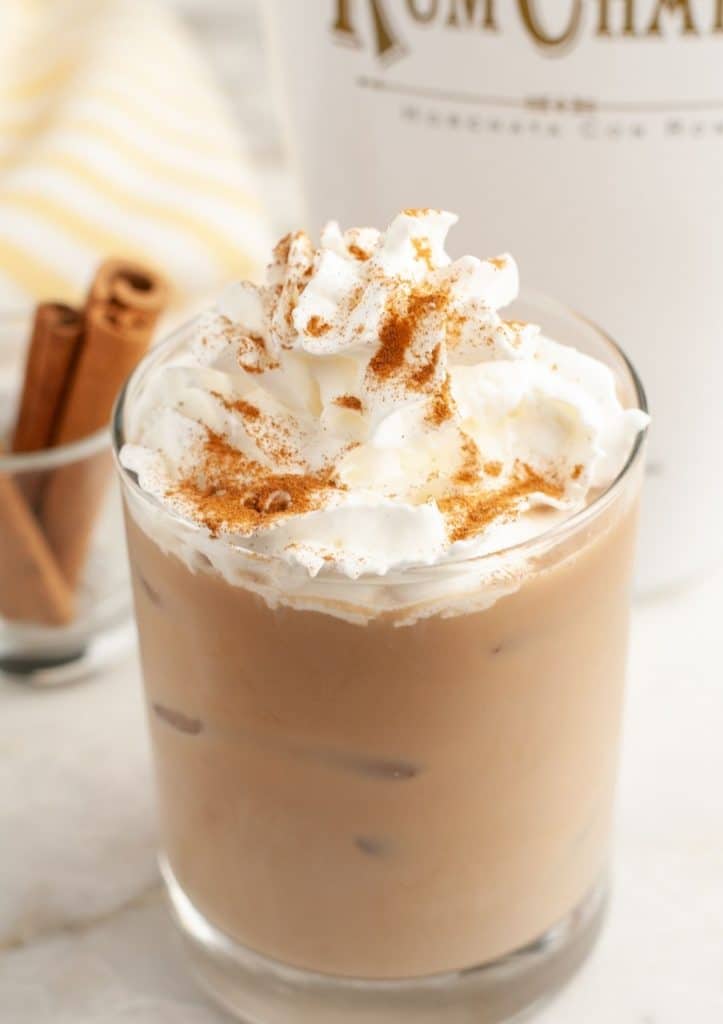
{"type": "Point", "coordinates": [115, 142]}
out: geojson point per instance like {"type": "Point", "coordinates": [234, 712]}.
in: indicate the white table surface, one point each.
{"type": "Point", "coordinates": [84, 936]}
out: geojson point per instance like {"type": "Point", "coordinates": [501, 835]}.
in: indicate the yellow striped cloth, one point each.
{"type": "Point", "coordinates": [115, 142]}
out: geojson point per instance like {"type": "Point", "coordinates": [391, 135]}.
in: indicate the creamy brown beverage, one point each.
{"type": "Point", "coordinates": [381, 543]}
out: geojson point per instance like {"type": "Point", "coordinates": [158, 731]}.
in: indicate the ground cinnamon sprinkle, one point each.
{"type": "Point", "coordinates": [316, 327]}
{"type": "Point", "coordinates": [252, 355]}
{"type": "Point", "coordinates": [253, 346]}
{"type": "Point", "coordinates": [245, 409]}
{"type": "Point", "coordinates": [468, 472]}
{"type": "Point", "coordinates": [492, 468]}
{"type": "Point", "coordinates": [577, 471]}
{"type": "Point", "coordinates": [399, 326]}
{"type": "Point", "coordinates": [229, 491]}
{"type": "Point", "coordinates": [354, 299]}
{"type": "Point", "coordinates": [423, 249]}
{"type": "Point", "coordinates": [468, 514]}
{"type": "Point", "coordinates": [358, 253]}
{"type": "Point", "coordinates": [441, 406]}
{"type": "Point", "coordinates": [454, 326]}
{"type": "Point", "coordinates": [498, 262]}
{"type": "Point", "coordinates": [283, 248]}
{"type": "Point", "coordinates": [395, 336]}
{"type": "Point", "coordinates": [421, 377]}
{"type": "Point", "coordinates": [271, 433]}
{"type": "Point", "coordinates": [349, 402]}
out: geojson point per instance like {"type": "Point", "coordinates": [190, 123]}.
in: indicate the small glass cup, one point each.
{"type": "Point", "coordinates": [388, 799]}
{"type": "Point", "coordinates": [65, 601]}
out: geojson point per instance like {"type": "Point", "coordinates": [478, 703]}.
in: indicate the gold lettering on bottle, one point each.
{"type": "Point", "coordinates": [672, 6]}
{"type": "Point", "coordinates": [603, 25]}
{"type": "Point", "coordinates": [533, 25]}
{"type": "Point", "coordinates": [469, 10]}
{"type": "Point", "coordinates": [615, 19]}
{"type": "Point", "coordinates": [424, 12]}
{"type": "Point", "coordinates": [345, 28]}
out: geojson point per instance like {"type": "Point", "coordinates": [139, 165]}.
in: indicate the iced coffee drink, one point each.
{"type": "Point", "coordinates": [381, 541]}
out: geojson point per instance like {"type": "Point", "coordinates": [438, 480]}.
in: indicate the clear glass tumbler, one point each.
{"type": "Point", "coordinates": [65, 601]}
{"type": "Point", "coordinates": [388, 799]}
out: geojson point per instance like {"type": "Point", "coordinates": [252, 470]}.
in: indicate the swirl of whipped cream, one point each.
{"type": "Point", "coordinates": [368, 409]}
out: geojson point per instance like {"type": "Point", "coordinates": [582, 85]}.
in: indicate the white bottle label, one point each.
{"type": "Point", "coordinates": [585, 137]}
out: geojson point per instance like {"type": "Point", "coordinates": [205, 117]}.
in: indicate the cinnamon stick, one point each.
{"type": "Point", "coordinates": [123, 285]}
{"type": "Point", "coordinates": [32, 588]}
{"type": "Point", "coordinates": [54, 344]}
{"type": "Point", "coordinates": [124, 304]}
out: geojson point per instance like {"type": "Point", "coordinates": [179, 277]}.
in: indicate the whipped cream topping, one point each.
{"type": "Point", "coordinates": [367, 409]}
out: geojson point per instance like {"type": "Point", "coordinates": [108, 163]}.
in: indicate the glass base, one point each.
{"type": "Point", "coordinates": [259, 990]}
{"type": "Point", "coordinates": [75, 659]}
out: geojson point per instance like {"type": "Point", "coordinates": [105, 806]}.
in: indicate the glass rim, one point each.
{"type": "Point", "coordinates": [14, 463]}
{"type": "Point", "coordinates": [556, 532]}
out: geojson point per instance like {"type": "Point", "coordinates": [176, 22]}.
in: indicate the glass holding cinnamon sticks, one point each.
{"type": "Point", "coordinates": [64, 595]}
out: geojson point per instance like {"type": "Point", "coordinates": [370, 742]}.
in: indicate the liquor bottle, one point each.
{"type": "Point", "coordinates": [583, 136]}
